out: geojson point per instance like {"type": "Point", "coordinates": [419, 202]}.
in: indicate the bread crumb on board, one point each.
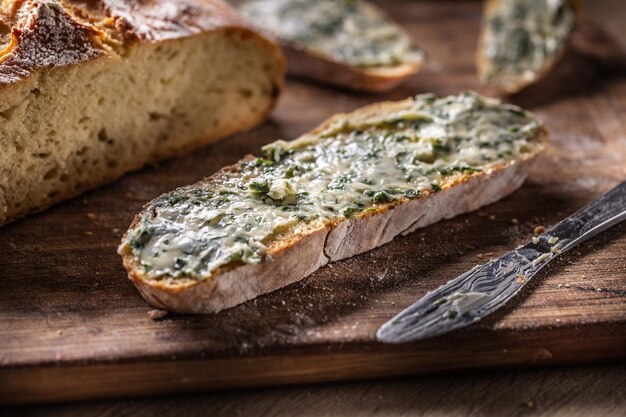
{"type": "Point", "coordinates": [91, 216]}
{"type": "Point", "coordinates": [157, 314]}
{"type": "Point", "coordinates": [539, 230]}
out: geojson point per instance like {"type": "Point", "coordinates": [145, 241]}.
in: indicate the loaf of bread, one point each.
{"type": "Point", "coordinates": [347, 43]}
{"type": "Point", "coordinates": [92, 89]}
{"type": "Point", "coordinates": [350, 185]}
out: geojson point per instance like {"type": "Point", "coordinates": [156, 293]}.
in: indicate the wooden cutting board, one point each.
{"type": "Point", "coordinates": [73, 327]}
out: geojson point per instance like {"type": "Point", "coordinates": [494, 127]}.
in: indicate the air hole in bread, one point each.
{"type": "Point", "coordinates": [156, 116]}
{"type": "Point", "coordinates": [52, 173]}
{"type": "Point", "coordinates": [245, 92]}
{"type": "Point", "coordinates": [102, 135]}
{"type": "Point", "coordinates": [8, 113]}
{"type": "Point", "coordinates": [36, 92]}
{"type": "Point", "coordinates": [275, 91]}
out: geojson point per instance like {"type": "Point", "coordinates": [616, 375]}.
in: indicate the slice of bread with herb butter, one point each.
{"type": "Point", "coordinates": [350, 185]}
{"type": "Point", "coordinates": [348, 43]}
{"type": "Point", "coordinates": [521, 40]}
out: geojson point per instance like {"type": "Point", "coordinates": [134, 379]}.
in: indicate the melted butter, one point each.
{"type": "Point", "coordinates": [348, 31]}
{"type": "Point", "coordinates": [523, 35]}
{"type": "Point", "coordinates": [349, 168]}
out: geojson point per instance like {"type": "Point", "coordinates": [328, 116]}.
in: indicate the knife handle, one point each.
{"type": "Point", "coordinates": [597, 216]}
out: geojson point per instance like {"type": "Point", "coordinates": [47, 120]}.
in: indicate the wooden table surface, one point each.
{"type": "Point", "coordinates": [558, 392]}
{"type": "Point", "coordinates": [572, 391]}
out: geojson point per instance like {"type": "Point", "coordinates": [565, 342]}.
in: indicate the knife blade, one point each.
{"type": "Point", "coordinates": [482, 290]}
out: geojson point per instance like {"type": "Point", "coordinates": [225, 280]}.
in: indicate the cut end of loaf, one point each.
{"type": "Point", "coordinates": [69, 129]}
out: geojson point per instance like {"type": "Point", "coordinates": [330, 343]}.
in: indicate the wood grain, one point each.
{"type": "Point", "coordinates": [73, 327]}
{"type": "Point", "coordinates": [556, 392]}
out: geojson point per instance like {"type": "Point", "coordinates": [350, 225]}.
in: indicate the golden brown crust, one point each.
{"type": "Point", "coordinates": [374, 80]}
{"type": "Point", "coordinates": [157, 20]}
{"type": "Point", "coordinates": [59, 33]}
{"type": "Point", "coordinates": [45, 35]}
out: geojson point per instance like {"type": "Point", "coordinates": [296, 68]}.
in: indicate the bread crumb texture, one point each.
{"type": "Point", "coordinates": [91, 90]}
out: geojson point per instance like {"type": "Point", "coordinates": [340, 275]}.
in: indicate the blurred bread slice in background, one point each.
{"type": "Point", "coordinates": [521, 40]}
{"type": "Point", "coordinates": [346, 43]}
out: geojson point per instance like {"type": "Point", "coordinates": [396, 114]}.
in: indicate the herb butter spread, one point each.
{"type": "Point", "coordinates": [522, 36]}
{"type": "Point", "coordinates": [347, 31]}
{"type": "Point", "coordinates": [354, 166]}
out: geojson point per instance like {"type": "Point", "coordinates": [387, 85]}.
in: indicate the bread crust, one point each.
{"type": "Point", "coordinates": [295, 257]}
{"type": "Point", "coordinates": [59, 33]}
{"type": "Point", "coordinates": [373, 80]}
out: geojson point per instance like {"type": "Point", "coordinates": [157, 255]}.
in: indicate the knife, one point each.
{"type": "Point", "coordinates": [479, 292]}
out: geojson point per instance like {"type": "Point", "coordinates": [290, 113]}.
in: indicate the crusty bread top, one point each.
{"type": "Point", "coordinates": [38, 34]}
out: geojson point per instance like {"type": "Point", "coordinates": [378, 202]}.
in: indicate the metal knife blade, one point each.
{"type": "Point", "coordinates": [479, 292]}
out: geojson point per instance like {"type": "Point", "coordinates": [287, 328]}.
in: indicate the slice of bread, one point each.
{"type": "Point", "coordinates": [92, 90]}
{"type": "Point", "coordinates": [521, 41]}
{"type": "Point", "coordinates": [350, 185]}
{"type": "Point", "coordinates": [346, 43]}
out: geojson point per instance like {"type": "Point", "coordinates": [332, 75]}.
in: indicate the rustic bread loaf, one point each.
{"type": "Point", "coordinates": [347, 43]}
{"type": "Point", "coordinates": [92, 89]}
{"type": "Point", "coordinates": [350, 185]}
